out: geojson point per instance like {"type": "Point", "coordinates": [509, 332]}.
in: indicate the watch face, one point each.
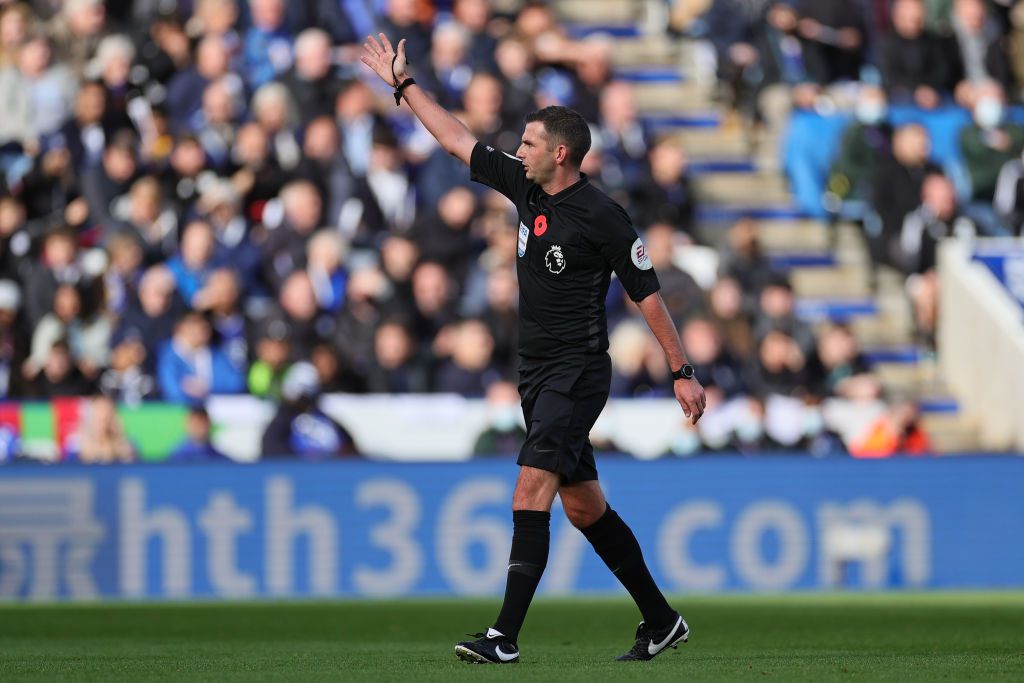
{"type": "Point", "coordinates": [687, 371]}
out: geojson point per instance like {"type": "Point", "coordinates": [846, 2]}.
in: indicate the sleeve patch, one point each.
{"type": "Point", "coordinates": [638, 254]}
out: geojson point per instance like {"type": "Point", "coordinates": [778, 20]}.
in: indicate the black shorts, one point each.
{"type": "Point", "coordinates": [562, 400]}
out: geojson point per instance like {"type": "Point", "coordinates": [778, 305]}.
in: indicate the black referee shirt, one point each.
{"type": "Point", "coordinates": [569, 244]}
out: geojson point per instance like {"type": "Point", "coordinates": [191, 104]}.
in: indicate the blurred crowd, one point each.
{"type": "Point", "coordinates": [903, 72]}
{"type": "Point", "coordinates": [197, 195]}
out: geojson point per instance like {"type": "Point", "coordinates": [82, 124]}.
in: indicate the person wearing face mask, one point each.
{"type": "Point", "coordinates": [504, 434]}
{"type": "Point", "coordinates": [863, 144]}
{"type": "Point", "coordinates": [990, 142]}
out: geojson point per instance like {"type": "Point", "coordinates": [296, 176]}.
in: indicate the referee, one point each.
{"type": "Point", "coordinates": [571, 238]}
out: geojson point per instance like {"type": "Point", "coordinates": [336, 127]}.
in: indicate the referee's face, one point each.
{"type": "Point", "coordinates": [538, 155]}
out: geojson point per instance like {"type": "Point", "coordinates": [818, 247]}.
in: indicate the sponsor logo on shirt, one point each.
{"type": "Point", "coordinates": [524, 235]}
{"type": "Point", "coordinates": [638, 254]}
{"type": "Point", "coordinates": [555, 259]}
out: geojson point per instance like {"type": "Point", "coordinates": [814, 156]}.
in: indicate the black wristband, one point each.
{"type": "Point", "coordinates": [400, 87]}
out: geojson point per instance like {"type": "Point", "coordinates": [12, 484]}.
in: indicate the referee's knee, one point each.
{"type": "Point", "coordinates": [583, 515]}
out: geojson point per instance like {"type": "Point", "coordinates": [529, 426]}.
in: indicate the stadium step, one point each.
{"type": "Point", "coordinates": [598, 12]}
{"type": "Point", "coordinates": [726, 188]}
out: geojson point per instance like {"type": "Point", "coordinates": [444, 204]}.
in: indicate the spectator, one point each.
{"type": "Point", "coordinates": [309, 323]}
{"type": "Point", "coordinates": [36, 94]}
{"type": "Point", "coordinates": [326, 268]}
{"type": "Point", "coordinates": [255, 174]}
{"type": "Point", "coordinates": [193, 264]}
{"type": "Point", "coordinates": [897, 186]}
{"type": "Point", "coordinates": [128, 380]}
{"type": "Point", "coordinates": [357, 120]}
{"type": "Point", "coordinates": [87, 334]}
{"type": "Point", "coordinates": [101, 439]}
{"type": "Point", "coordinates": [403, 18]}
{"type": "Point", "coordinates": [121, 281]}
{"type": "Point", "coordinates": [433, 299]}
{"type": "Point", "coordinates": [725, 301]}
{"type": "Point", "coordinates": [982, 50]}
{"type": "Point", "coordinates": [76, 32]}
{"type": "Point", "coordinates": [897, 431]}
{"type": "Point", "coordinates": [504, 434]}
{"type": "Point", "coordinates": [834, 36]}
{"type": "Point", "coordinates": [743, 258]}
{"type": "Point", "coordinates": [384, 200]}
{"type": "Point", "coordinates": [623, 139]}
{"type": "Point", "coordinates": [221, 300]}
{"type": "Point", "coordinates": [183, 176]}
{"type": "Point", "coordinates": [777, 311]}
{"type": "Point", "coordinates": [936, 219]}
{"type": "Point", "coordinates": [451, 69]}
{"type": "Point", "coordinates": [665, 197]}
{"type": "Point", "coordinates": [190, 370]}
{"type": "Point", "coordinates": [273, 356]}
{"type": "Point", "coordinates": [475, 16]}
{"type": "Point", "coordinates": [197, 446]}
{"type": "Point", "coordinates": [336, 376]}
{"type": "Point", "coordinates": [186, 88]}
{"type": "Point", "coordinates": [779, 367]}
{"type": "Point", "coordinates": [311, 83]}
{"type": "Point", "coordinates": [12, 347]}
{"type": "Point", "coordinates": [267, 45]}
{"type": "Point", "coordinates": [469, 369]}
{"type": "Point", "coordinates": [395, 369]}
{"type": "Point", "coordinates": [913, 63]}
{"type": "Point", "coordinates": [112, 66]}
{"type": "Point", "coordinates": [593, 73]}
{"type": "Point", "coordinates": [300, 428]}
{"type": "Point", "coordinates": [324, 166]}
{"type": "Point", "coordinates": [284, 250]}
{"type": "Point", "coordinates": [220, 206]}
{"type": "Point", "coordinates": [636, 368]}
{"type": "Point", "coordinates": [151, 317]}
{"type": "Point", "coordinates": [502, 318]}
{"type": "Point", "coordinates": [90, 126]}
{"type": "Point", "coordinates": [990, 142]}
{"type": "Point", "coordinates": [217, 121]}
{"type": "Point", "coordinates": [445, 235]}
{"type": "Point", "coordinates": [714, 367]}
{"type": "Point", "coordinates": [864, 144]}
{"type": "Point", "coordinates": [274, 111]}
{"type": "Point", "coordinates": [58, 376]}
{"type": "Point", "coordinates": [841, 368]}
{"type": "Point", "coordinates": [148, 220]}
{"type": "Point", "coordinates": [103, 185]}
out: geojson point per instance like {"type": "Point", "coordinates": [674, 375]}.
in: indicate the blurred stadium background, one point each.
{"type": "Point", "coordinates": [221, 242]}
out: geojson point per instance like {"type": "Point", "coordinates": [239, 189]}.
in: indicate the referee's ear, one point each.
{"type": "Point", "coordinates": [562, 154]}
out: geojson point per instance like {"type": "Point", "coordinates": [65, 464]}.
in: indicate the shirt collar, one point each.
{"type": "Point", "coordinates": [562, 195]}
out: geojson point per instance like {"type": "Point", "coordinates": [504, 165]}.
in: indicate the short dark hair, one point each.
{"type": "Point", "coordinates": [566, 127]}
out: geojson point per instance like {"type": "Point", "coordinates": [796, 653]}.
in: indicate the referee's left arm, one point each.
{"type": "Point", "coordinates": [688, 392]}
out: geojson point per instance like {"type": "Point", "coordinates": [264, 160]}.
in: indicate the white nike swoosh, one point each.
{"type": "Point", "coordinates": [505, 657]}
{"type": "Point", "coordinates": [654, 648]}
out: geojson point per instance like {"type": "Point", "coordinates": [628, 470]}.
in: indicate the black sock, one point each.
{"type": "Point", "coordinates": [531, 535]}
{"type": "Point", "coordinates": [617, 546]}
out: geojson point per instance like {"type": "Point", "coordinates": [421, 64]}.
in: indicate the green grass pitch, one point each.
{"type": "Point", "coordinates": [937, 637]}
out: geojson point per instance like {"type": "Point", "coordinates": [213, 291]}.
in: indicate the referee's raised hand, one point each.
{"type": "Point", "coordinates": [384, 60]}
{"type": "Point", "coordinates": [690, 395]}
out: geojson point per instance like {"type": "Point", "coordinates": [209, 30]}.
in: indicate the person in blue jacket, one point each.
{"type": "Point", "coordinates": [189, 369]}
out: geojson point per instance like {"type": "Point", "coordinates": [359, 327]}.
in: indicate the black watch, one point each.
{"type": "Point", "coordinates": [685, 372]}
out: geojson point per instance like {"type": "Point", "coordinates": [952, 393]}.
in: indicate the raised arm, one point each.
{"type": "Point", "coordinates": [454, 137]}
{"type": "Point", "coordinates": [688, 392]}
